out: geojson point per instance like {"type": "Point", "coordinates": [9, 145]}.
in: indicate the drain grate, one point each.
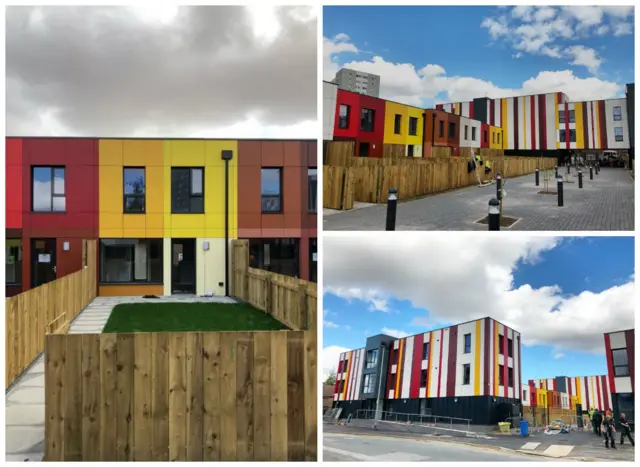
{"type": "Point", "coordinates": [505, 221]}
{"type": "Point", "coordinates": [547, 192]}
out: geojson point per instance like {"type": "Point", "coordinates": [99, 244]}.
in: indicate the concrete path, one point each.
{"type": "Point", "coordinates": [604, 203]}
{"type": "Point", "coordinates": [24, 412]}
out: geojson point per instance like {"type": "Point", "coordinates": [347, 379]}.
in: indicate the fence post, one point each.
{"type": "Point", "coordinates": [268, 309]}
{"type": "Point", "coordinates": [304, 311]}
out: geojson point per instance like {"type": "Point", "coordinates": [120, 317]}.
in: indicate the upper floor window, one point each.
{"type": "Point", "coordinates": [369, 383]}
{"type": "Point", "coordinates": [134, 189]}
{"type": "Point", "coordinates": [510, 347]}
{"type": "Point", "coordinates": [187, 190]}
{"type": "Point", "coordinates": [371, 358]}
{"type": "Point", "coordinates": [413, 126]}
{"type": "Point", "coordinates": [473, 133]}
{"type": "Point", "coordinates": [271, 189]}
{"type": "Point", "coordinates": [425, 351]}
{"type": "Point", "coordinates": [48, 189]}
{"type": "Point", "coordinates": [441, 128]}
{"type": "Point", "coordinates": [617, 113]}
{"type": "Point", "coordinates": [500, 345]}
{"type": "Point", "coordinates": [366, 120]}
{"type": "Point", "coordinates": [561, 116]}
{"type": "Point", "coordinates": [343, 116]}
{"type": "Point", "coordinates": [466, 373]}
{"type": "Point", "coordinates": [466, 132]}
{"type": "Point", "coordinates": [572, 116]}
{"type": "Point", "coordinates": [620, 362]}
{"type": "Point", "coordinates": [452, 130]}
{"type": "Point", "coordinates": [397, 124]}
{"type": "Point", "coordinates": [312, 179]}
{"type": "Point", "coordinates": [467, 343]}
{"type": "Point", "coordinates": [618, 133]}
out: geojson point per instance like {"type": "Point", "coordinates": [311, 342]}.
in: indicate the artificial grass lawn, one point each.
{"type": "Point", "coordinates": [159, 317]}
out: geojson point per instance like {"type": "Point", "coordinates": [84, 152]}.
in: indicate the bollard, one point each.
{"type": "Point", "coordinates": [499, 187]}
{"type": "Point", "coordinates": [590, 172]}
{"type": "Point", "coordinates": [560, 192]}
{"type": "Point", "coordinates": [579, 178]}
{"type": "Point", "coordinates": [597, 169]}
{"type": "Point", "coordinates": [556, 167]}
{"type": "Point", "coordinates": [568, 168]}
{"type": "Point", "coordinates": [392, 203]}
{"type": "Point", "coordinates": [494, 214]}
{"type": "Point", "coordinates": [537, 177]}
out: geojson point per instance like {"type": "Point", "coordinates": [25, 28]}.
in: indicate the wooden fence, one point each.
{"type": "Point", "coordinates": [337, 187]}
{"type": "Point", "coordinates": [48, 308]}
{"type": "Point", "coordinates": [181, 396]}
{"type": "Point", "coordinates": [291, 301]}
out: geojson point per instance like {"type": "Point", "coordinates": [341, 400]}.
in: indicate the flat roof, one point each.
{"type": "Point", "coordinates": [162, 138]}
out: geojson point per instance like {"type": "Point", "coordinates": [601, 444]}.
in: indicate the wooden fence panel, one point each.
{"type": "Point", "coordinates": [184, 395]}
{"type": "Point", "coordinates": [339, 152]}
{"type": "Point", "coordinates": [338, 187]}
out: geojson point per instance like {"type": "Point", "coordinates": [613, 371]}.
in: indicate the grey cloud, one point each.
{"type": "Point", "coordinates": [101, 71]}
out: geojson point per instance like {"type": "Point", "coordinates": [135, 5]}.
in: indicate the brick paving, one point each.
{"type": "Point", "coordinates": [604, 203]}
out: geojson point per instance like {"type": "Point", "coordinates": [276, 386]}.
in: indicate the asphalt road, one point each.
{"type": "Point", "coordinates": [349, 447]}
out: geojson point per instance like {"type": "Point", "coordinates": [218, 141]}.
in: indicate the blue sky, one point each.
{"type": "Point", "coordinates": [587, 50]}
{"type": "Point", "coordinates": [588, 280]}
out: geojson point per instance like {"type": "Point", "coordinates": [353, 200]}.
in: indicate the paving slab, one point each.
{"type": "Point", "coordinates": [24, 415]}
{"type": "Point", "coordinates": [26, 395]}
{"type": "Point", "coordinates": [25, 439]}
{"type": "Point", "coordinates": [33, 380]}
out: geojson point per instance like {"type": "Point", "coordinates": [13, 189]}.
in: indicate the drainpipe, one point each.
{"type": "Point", "coordinates": [227, 155]}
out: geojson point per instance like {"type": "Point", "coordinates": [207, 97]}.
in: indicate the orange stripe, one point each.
{"type": "Point", "coordinates": [398, 367]}
{"type": "Point", "coordinates": [429, 365]}
{"type": "Point", "coordinates": [346, 379]}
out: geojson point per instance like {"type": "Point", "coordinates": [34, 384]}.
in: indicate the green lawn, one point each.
{"type": "Point", "coordinates": [158, 317]}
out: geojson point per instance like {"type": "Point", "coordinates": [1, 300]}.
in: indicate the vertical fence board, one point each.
{"type": "Point", "coordinates": [125, 356]}
{"type": "Point", "coordinates": [90, 396]}
{"type": "Point", "coordinates": [108, 396]}
{"type": "Point", "coordinates": [212, 407]}
{"type": "Point", "coordinates": [244, 396]}
{"type": "Point", "coordinates": [54, 397]}
{"type": "Point", "coordinates": [195, 392]}
{"type": "Point", "coordinates": [143, 425]}
{"type": "Point", "coordinates": [160, 395]}
{"type": "Point", "coordinates": [262, 379]}
{"type": "Point", "coordinates": [177, 397]}
{"type": "Point", "coordinates": [73, 399]}
{"type": "Point", "coordinates": [228, 433]}
{"type": "Point", "coordinates": [278, 396]}
{"type": "Point", "coordinates": [311, 396]}
{"type": "Point", "coordinates": [295, 395]}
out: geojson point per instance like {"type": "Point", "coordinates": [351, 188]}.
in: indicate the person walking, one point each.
{"type": "Point", "coordinates": [597, 422]}
{"type": "Point", "coordinates": [609, 429]}
{"type": "Point", "coordinates": [626, 430]}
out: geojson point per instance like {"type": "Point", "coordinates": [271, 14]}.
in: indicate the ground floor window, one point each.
{"type": "Point", "coordinates": [13, 261]}
{"type": "Point", "coordinates": [626, 404]}
{"type": "Point", "coordinates": [313, 260]}
{"type": "Point", "coordinates": [124, 260]}
{"type": "Point", "coordinates": [279, 255]}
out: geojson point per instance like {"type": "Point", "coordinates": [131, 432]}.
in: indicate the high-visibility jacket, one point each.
{"type": "Point", "coordinates": [487, 164]}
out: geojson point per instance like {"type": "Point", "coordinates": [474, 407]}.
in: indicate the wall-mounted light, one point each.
{"type": "Point", "coordinates": [205, 246]}
{"type": "Point", "coordinates": [65, 246]}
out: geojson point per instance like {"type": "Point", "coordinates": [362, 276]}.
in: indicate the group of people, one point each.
{"type": "Point", "coordinates": [604, 422]}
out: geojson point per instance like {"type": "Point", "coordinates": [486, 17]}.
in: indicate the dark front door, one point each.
{"type": "Point", "coordinates": [43, 261]}
{"type": "Point", "coordinates": [183, 266]}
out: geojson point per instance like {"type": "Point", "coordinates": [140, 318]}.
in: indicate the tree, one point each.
{"type": "Point", "coordinates": [331, 379]}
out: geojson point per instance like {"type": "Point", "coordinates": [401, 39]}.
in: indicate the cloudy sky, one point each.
{"type": "Point", "coordinates": [562, 294]}
{"type": "Point", "coordinates": [210, 71]}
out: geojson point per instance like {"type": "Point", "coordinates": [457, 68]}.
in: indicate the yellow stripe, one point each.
{"type": "Point", "coordinates": [524, 120]}
{"type": "Point", "coordinates": [476, 377]}
{"type": "Point", "coordinates": [495, 357]}
{"type": "Point", "coordinates": [579, 126]}
{"type": "Point", "coordinates": [579, 393]}
{"type": "Point", "coordinates": [596, 124]}
{"type": "Point", "coordinates": [398, 367]}
{"type": "Point", "coordinates": [456, 109]}
{"type": "Point", "coordinates": [429, 365]}
{"type": "Point", "coordinates": [504, 123]}
{"type": "Point", "coordinates": [346, 379]}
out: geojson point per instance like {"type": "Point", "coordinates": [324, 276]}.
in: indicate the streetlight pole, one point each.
{"type": "Point", "coordinates": [378, 401]}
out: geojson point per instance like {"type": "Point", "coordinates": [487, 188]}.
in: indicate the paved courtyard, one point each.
{"type": "Point", "coordinates": [604, 203]}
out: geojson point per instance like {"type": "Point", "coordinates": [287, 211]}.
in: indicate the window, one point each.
{"type": "Point", "coordinates": [394, 356]}
{"type": "Point", "coordinates": [279, 255]}
{"type": "Point", "coordinates": [134, 190]}
{"type": "Point", "coordinates": [452, 130]}
{"type": "Point", "coordinates": [425, 351]}
{"type": "Point", "coordinates": [187, 190]}
{"type": "Point", "coordinates": [312, 181]}
{"type": "Point", "coordinates": [369, 383]}
{"type": "Point", "coordinates": [397, 124]}
{"type": "Point", "coordinates": [343, 116]}
{"type": "Point", "coordinates": [524, 394]}
{"type": "Point", "coordinates": [572, 116]}
{"type": "Point", "coordinates": [372, 358]}
{"type": "Point", "coordinates": [313, 260]}
{"type": "Point", "coordinates": [467, 343]}
{"type": "Point", "coordinates": [510, 376]}
{"type": "Point", "coordinates": [484, 136]}
{"type": "Point", "coordinates": [341, 388]}
{"type": "Point", "coordinates": [617, 114]}
{"type": "Point", "coordinates": [423, 378]}
{"type": "Point", "coordinates": [13, 261]}
{"type": "Point", "coordinates": [48, 189]}
{"type": "Point", "coordinates": [441, 128]}
{"type": "Point", "coordinates": [620, 362]}
{"type": "Point", "coordinates": [271, 191]}
{"type": "Point", "coordinates": [572, 136]}
{"type": "Point", "coordinates": [563, 136]}
{"type": "Point", "coordinates": [500, 375]}
{"type": "Point", "coordinates": [561, 116]}
{"type": "Point", "coordinates": [413, 126]}
{"type": "Point", "coordinates": [473, 133]}
{"type": "Point", "coordinates": [466, 373]}
{"type": "Point", "coordinates": [127, 260]}
{"type": "Point", "coordinates": [466, 132]}
{"type": "Point", "coordinates": [500, 340]}
{"type": "Point", "coordinates": [499, 134]}
{"type": "Point", "coordinates": [493, 138]}
{"type": "Point", "coordinates": [510, 347]}
{"type": "Point", "coordinates": [618, 132]}
{"type": "Point", "coordinates": [366, 119]}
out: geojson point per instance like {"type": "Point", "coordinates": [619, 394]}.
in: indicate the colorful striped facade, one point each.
{"type": "Point", "coordinates": [550, 121]}
{"type": "Point", "coordinates": [588, 391]}
{"type": "Point", "coordinates": [479, 359]}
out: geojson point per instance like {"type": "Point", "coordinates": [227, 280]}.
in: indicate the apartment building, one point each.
{"type": "Point", "coordinates": [163, 211]}
{"type": "Point", "coordinates": [620, 353]}
{"type": "Point", "coordinates": [358, 81]}
{"type": "Point", "coordinates": [586, 391]}
{"type": "Point", "coordinates": [470, 370]}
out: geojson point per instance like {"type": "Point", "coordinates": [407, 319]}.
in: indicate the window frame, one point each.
{"type": "Point", "coordinates": [345, 118]}
{"type": "Point", "coordinates": [372, 113]}
{"type": "Point", "coordinates": [500, 375]}
{"type": "Point", "coordinates": [371, 359]}
{"type": "Point", "coordinates": [615, 367]}
{"type": "Point", "coordinates": [561, 117]}
{"type": "Point", "coordinates": [572, 116]}
{"type": "Point", "coordinates": [619, 138]}
{"type": "Point", "coordinates": [280, 190]}
{"type": "Point", "coordinates": [440, 128]}
{"type": "Point", "coordinates": [617, 117]}
{"type": "Point", "coordinates": [312, 209]}
{"type": "Point", "coordinates": [509, 347]}
{"type": "Point", "coordinates": [466, 132]}
{"type": "Point", "coordinates": [426, 348]}
{"type": "Point", "coordinates": [413, 129]}
{"type": "Point", "coordinates": [371, 379]}
{"type": "Point", "coordinates": [53, 194]}
{"type": "Point", "coordinates": [397, 124]}
{"type": "Point", "coordinates": [19, 272]}
{"type": "Point", "coordinates": [143, 196]}
{"type": "Point", "coordinates": [500, 349]}
{"type": "Point", "coordinates": [466, 374]}
{"type": "Point", "coordinates": [424, 376]}
{"type": "Point", "coordinates": [133, 280]}
{"type": "Point", "coordinates": [572, 135]}
{"type": "Point", "coordinates": [473, 133]}
{"type": "Point", "coordinates": [191, 194]}
{"type": "Point", "coordinates": [562, 136]}
{"type": "Point", "coordinates": [465, 343]}
{"type": "Point", "coordinates": [510, 377]}
{"type": "Point", "coordinates": [452, 130]}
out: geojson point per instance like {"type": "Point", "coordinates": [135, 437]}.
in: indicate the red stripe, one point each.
{"type": "Point", "coordinates": [440, 362]}
{"type": "Point", "coordinates": [598, 393]}
{"type": "Point", "coordinates": [603, 125]}
{"type": "Point", "coordinates": [516, 135]}
{"type": "Point", "coordinates": [492, 112]}
{"type": "Point", "coordinates": [471, 111]}
{"type": "Point", "coordinates": [485, 357]}
{"type": "Point", "coordinates": [439, 107]}
{"type": "Point", "coordinates": [586, 391]}
{"type": "Point", "coordinates": [629, 337]}
{"type": "Point", "coordinates": [533, 122]}
{"type": "Point", "coordinates": [542, 112]}
{"type": "Point", "coordinates": [451, 361]}
{"type": "Point", "coordinates": [554, 384]}
{"type": "Point", "coordinates": [505, 369]}
{"type": "Point", "coordinates": [593, 129]}
{"type": "Point", "coordinates": [607, 347]}
{"type": "Point", "coordinates": [416, 368]}
{"type": "Point", "coordinates": [335, 389]}
{"type": "Point", "coordinates": [569, 391]}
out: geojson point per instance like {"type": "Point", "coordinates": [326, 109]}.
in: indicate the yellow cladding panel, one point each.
{"type": "Point", "coordinates": [206, 154]}
{"type": "Point", "coordinates": [413, 112]}
{"type": "Point", "coordinates": [110, 152]}
{"type": "Point", "coordinates": [142, 152]}
{"type": "Point", "coordinates": [391, 110]}
{"type": "Point", "coordinates": [579, 126]}
{"type": "Point", "coordinates": [155, 190]}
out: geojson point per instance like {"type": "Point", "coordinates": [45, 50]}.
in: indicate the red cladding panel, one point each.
{"type": "Point", "coordinates": [631, 356]}
{"type": "Point", "coordinates": [352, 100]}
{"type": "Point", "coordinates": [607, 349]}
{"type": "Point", "coordinates": [13, 183]}
{"type": "Point", "coordinates": [375, 137]}
{"type": "Point", "coordinates": [416, 366]}
{"type": "Point", "coordinates": [452, 361]}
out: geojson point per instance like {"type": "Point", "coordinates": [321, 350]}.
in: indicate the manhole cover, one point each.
{"type": "Point", "coordinates": [505, 221]}
{"type": "Point", "coordinates": [547, 192]}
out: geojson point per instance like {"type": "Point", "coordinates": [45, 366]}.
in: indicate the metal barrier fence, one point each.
{"type": "Point", "coordinates": [436, 422]}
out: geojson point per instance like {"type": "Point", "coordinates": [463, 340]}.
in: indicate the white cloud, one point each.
{"type": "Point", "coordinates": [602, 30]}
{"type": "Point", "coordinates": [330, 356]}
{"type": "Point", "coordinates": [376, 301]}
{"type": "Point", "coordinates": [463, 277]}
{"type": "Point", "coordinates": [559, 355]}
{"type": "Point", "coordinates": [622, 29]}
{"type": "Point", "coordinates": [394, 333]}
{"type": "Point", "coordinates": [584, 56]}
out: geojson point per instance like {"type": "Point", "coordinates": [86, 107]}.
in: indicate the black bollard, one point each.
{"type": "Point", "coordinates": [560, 192]}
{"type": "Point", "coordinates": [579, 178]}
{"type": "Point", "coordinates": [499, 187]}
{"type": "Point", "coordinates": [590, 172]}
{"type": "Point", "coordinates": [537, 177]}
{"type": "Point", "coordinates": [392, 203]}
{"type": "Point", "coordinates": [494, 214]}
{"type": "Point", "coordinates": [568, 168]}
{"type": "Point", "coordinates": [556, 171]}
{"type": "Point", "coordinates": [597, 169]}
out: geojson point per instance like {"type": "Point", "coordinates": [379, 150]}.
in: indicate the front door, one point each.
{"type": "Point", "coordinates": [183, 266]}
{"type": "Point", "coordinates": [43, 261]}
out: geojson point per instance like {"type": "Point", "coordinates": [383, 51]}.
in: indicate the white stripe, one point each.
{"type": "Point", "coordinates": [435, 355]}
{"type": "Point", "coordinates": [406, 374]}
{"type": "Point", "coordinates": [511, 127]}
{"type": "Point", "coordinates": [445, 362]}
